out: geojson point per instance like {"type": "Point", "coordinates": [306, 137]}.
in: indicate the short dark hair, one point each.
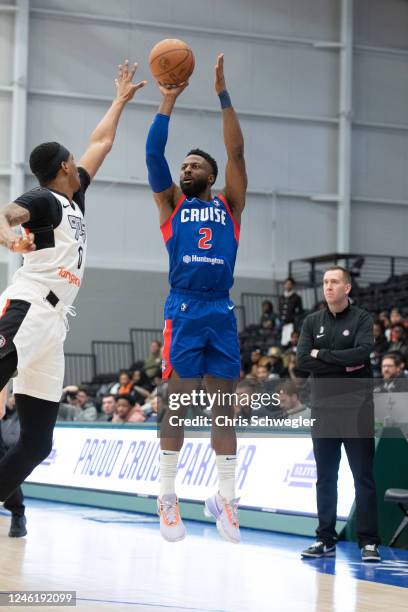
{"type": "Point", "coordinates": [208, 157]}
{"type": "Point", "coordinates": [289, 388]}
{"type": "Point", "coordinates": [46, 159]}
{"type": "Point", "coordinates": [292, 280]}
{"type": "Point", "coordinates": [346, 273]}
{"type": "Point", "coordinates": [395, 357]}
{"type": "Point", "coordinates": [127, 397]}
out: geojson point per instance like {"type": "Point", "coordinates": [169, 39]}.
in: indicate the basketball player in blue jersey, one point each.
{"type": "Point", "coordinates": [201, 233]}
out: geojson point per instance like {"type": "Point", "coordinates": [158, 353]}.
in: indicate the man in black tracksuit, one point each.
{"type": "Point", "coordinates": [334, 347]}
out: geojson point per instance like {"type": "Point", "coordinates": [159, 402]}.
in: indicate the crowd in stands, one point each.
{"type": "Point", "coordinates": [134, 397]}
{"type": "Point", "coordinates": [268, 365]}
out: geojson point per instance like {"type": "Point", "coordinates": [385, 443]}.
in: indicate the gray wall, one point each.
{"type": "Point", "coordinates": [287, 93]}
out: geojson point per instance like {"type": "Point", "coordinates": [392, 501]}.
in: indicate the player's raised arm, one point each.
{"type": "Point", "coordinates": [235, 171]}
{"type": "Point", "coordinates": [102, 137]}
{"type": "Point", "coordinates": [165, 192]}
{"type": "Point", "coordinates": [12, 215]}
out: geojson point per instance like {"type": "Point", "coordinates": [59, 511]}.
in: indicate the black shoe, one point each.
{"type": "Point", "coordinates": [370, 552]}
{"type": "Point", "coordinates": [319, 549]}
{"type": "Point", "coordinates": [18, 526]}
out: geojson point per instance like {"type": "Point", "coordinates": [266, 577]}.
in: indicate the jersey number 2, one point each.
{"type": "Point", "coordinates": [205, 241]}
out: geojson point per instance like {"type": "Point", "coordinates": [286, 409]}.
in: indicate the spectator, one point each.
{"type": "Point", "coordinates": [290, 403]}
{"type": "Point", "coordinates": [254, 359]}
{"type": "Point", "coordinates": [290, 370]}
{"type": "Point", "coordinates": [393, 379]}
{"type": "Point", "coordinates": [385, 320]}
{"type": "Point", "coordinates": [68, 407]}
{"type": "Point", "coordinates": [87, 410]}
{"type": "Point", "coordinates": [290, 307]}
{"type": "Point", "coordinates": [108, 408]}
{"type": "Point", "coordinates": [244, 392]}
{"type": "Point", "coordinates": [396, 317]}
{"type": "Point", "coordinates": [292, 346]}
{"type": "Point", "coordinates": [152, 364]}
{"type": "Point", "coordinates": [381, 345]}
{"type": "Point", "coordinates": [152, 409]}
{"type": "Point", "coordinates": [262, 373]}
{"type": "Point", "coordinates": [123, 385]}
{"type": "Point", "coordinates": [398, 340]}
{"type": "Point", "coordinates": [276, 367]}
{"type": "Point", "coordinates": [140, 386]}
{"type": "Point", "coordinates": [126, 411]}
{"type": "Point", "coordinates": [268, 319]}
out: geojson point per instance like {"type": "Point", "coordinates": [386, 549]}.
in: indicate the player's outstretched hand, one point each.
{"type": "Point", "coordinates": [219, 74]}
{"type": "Point", "coordinates": [172, 91]}
{"type": "Point", "coordinates": [125, 88]}
{"type": "Point", "coordinates": [22, 244]}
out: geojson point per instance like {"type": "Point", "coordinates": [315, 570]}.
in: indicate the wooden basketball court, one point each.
{"type": "Point", "coordinates": [118, 561]}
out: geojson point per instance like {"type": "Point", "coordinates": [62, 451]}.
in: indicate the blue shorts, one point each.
{"type": "Point", "coordinates": [200, 337]}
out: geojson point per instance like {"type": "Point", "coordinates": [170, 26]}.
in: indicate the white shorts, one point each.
{"type": "Point", "coordinates": [37, 330]}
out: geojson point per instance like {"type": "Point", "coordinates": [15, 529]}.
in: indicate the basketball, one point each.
{"type": "Point", "coordinates": [171, 62]}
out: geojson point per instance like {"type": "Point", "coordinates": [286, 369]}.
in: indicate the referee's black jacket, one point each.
{"type": "Point", "coordinates": [341, 374]}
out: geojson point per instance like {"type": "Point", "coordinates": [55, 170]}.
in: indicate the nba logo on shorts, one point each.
{"type": "Point", "coordinates": [3, 341]}
{"type": "Point", "coordinates": [183, 307]}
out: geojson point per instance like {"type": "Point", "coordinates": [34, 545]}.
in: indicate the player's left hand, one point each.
{"type": "Point", "coordinates": [125, 88]}
{"type": "Point", "coordinates": [219, 75]}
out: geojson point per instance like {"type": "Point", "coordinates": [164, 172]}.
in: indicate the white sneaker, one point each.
{"type": "Point", "coordinates": [226, 516]}
{"type": "Point", "coordinates": [171, 525]}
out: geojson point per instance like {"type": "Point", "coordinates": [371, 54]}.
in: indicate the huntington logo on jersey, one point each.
{"type": "Point", "coordinates": [61, 267]}
{"type": "Point", "coordinates": [202, 241]}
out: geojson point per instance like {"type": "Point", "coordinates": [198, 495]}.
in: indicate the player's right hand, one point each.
{"type": "Point", "coordinates": [172, 91]}
{"type": "Point", "coordinates": [22, 244]}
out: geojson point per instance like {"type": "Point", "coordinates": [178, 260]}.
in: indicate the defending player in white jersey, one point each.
{"type": "Point", "coordinates": [34, 308]}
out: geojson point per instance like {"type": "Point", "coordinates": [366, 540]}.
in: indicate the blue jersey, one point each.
{"type": "Point", "coordinates": [202, 241]}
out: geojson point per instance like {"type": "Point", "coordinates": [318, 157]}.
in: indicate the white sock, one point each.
{"type": "Point", "coordinates": [226, 475]}
{"type": "Point", "coordinates": [168, 472]}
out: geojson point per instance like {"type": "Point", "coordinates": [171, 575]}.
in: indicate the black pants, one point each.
{"type": "Point", "coordinates": [360, 455]}
{"type": "Point", "coordinates": [37, 420]}
{"type": "Point", "coordinates": [15, 502]}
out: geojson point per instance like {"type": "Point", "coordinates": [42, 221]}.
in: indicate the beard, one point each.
{"type": "Point", "coordinates": [193, 189]}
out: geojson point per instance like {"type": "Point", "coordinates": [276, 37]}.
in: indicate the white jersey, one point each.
{"type": "Point", "coordinates": [58, 262]}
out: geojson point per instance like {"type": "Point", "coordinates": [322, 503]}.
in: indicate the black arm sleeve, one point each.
{"type": "Point", "coordinates": [45, 210]}
{"type": "Point", "coordinates": [360, 353]}
{"type": "Point", "coordinates": [304, 348]}
{"type": "Point", "coordinates": [79, 196]}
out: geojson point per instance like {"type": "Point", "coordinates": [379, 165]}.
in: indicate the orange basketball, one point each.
{"type": "Point", "coordinates": [171, 62]}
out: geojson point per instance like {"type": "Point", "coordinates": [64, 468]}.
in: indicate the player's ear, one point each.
{"type": "Point", "coordinates": [211, 179]}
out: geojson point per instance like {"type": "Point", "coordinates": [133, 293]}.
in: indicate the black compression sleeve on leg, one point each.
{"type": "Point", "coordinates": [37, 421]}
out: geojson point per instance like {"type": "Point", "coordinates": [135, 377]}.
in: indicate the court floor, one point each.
{"type": "Point", "coordinates": [118, 561]}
